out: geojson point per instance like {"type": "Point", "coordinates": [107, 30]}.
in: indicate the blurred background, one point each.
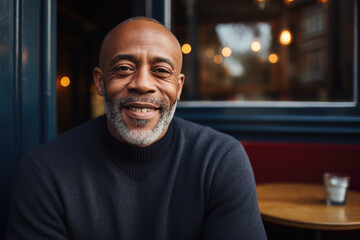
{"type": "Point", "coordinates": [279, 75]}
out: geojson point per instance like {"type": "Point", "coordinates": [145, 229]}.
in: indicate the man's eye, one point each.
{"type": "Point", "coordinates": [162, 71]}
{"type": "Point", "coordinates": [123, 68]}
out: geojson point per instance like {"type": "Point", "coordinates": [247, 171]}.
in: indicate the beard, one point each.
{"type": "Point", "coordinates": [135, 136]}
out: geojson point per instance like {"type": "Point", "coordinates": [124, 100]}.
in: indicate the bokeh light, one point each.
{"type": "Point", "coordinates": [209, 53]}
{"type": "Point", "coordinates": [186, 48]}
{"type": "Point", "coordinates": [273, 58]}
{"type": "Point", "coordinates": [65, 81]}
{"type": "Point", "coordinates": [255, 46]}
{"type": "Point", "coordinates": [226, 52]}
{"type": "Point", "coordinates": [289, 1]}
{"type": "Point", "coordinates": [285, 37]}
{"type": "Point", "coordinates": [218, 59]}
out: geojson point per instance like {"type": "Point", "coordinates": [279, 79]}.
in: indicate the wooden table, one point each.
{"type": "Point", "coordinates": [303, 206]}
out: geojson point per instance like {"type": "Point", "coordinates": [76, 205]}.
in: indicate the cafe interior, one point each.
{"type": "Point", "coordinates": [281, 76]}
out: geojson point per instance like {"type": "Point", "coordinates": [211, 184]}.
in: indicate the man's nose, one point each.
{"type": "Point", "coordinates": [143, 82]}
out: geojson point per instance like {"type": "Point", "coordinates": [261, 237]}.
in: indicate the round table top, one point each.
{"type": "Point", "coordinates": [303, 205]}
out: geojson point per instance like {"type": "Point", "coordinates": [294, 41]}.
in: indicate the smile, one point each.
{"type": "Point", "coordinates": [141, 109]}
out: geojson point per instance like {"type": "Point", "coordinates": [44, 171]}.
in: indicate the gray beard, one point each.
{"type": "Point", "coordinates": [138, 137]}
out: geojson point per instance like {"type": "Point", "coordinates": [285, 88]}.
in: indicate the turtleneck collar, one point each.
{"type": "Point", "coordinates": [134, 160]}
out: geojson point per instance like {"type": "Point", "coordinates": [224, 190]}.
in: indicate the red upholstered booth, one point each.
{"type": "Point", "coordinates": [302, 162]}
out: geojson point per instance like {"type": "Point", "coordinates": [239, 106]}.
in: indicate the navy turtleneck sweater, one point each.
{"type": "Point", "coordinates": [194, 183]}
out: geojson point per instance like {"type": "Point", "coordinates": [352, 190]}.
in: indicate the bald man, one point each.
{"type": "Point", "coordinates": [138, 172]}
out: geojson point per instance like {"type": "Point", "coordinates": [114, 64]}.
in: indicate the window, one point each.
{"type": "Point", "coordinates": [260, 51]}
{"type": "Point", "coordinates": [271, 69]}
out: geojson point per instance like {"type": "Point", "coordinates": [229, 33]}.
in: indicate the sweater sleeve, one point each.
{"type": "Point", "coordinates": [35, 210]}
{"type": "Point", "coordinates": [232, 211]}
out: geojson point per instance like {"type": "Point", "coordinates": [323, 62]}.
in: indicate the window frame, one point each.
{"type": "Point", "coordinates": [284, 121]}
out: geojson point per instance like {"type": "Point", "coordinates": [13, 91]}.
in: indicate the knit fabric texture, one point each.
{"type": "Point", "coordinates": [194, 183]}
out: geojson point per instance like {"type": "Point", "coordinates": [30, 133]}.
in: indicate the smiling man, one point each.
{"type": "Point", "coordinates": [138, 172]}
{"type": "Point", "coordinates": [140, 80]}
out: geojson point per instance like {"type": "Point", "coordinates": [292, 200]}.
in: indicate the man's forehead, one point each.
{"type": "Point", "coordinates": [140, 31]}
{"type": "Point", "coordinates": [139, 26]}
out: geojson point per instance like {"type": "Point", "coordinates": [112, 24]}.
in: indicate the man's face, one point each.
{"type": "Point", "coordinates": [139, 77]}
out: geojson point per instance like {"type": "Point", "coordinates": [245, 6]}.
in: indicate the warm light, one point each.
{"type": "Point", "coordinates": [289, 1]}
{"type": "Point", "coordinates": [323, 1]}
{"type": "Point", "coordinates": [209, 53]}
{"type": "Point", "coordinates": [186, 48]}
{"type": "Point", "coordinates": [218, 59]}
{"type": "Point", "coordinates": [273, 58]}
{"type": "Point", "coordinates": [226, 52]}
{"type": "Point", "coordinates": [65, 81]}
{"type": "Point", "coordinates": [285, 37]}
{"type": "Point", "coordinates": [255, 46]}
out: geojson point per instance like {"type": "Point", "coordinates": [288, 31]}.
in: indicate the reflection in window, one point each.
{"type": "Point", "coordinates": [273, 50]}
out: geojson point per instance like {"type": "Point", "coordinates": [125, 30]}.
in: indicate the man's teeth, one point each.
{"type": "Point", "coordinates": [140, 109]}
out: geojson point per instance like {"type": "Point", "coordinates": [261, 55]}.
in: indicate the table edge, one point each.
{"type": "Point", "coordinates": [306, 225]}
{"type": "Point", "coordinates": [316, 226]}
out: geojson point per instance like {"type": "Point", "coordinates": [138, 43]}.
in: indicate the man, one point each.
{"type": "Point", "coordinates": [136, 173]}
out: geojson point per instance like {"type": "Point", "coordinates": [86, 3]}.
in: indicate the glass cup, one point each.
{"type": "Point", "coordinates": [336, 185]}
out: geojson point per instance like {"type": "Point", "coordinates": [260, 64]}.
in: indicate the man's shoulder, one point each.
{"type": "Point", "coordinates": [77, 138]}
{"type": "Point", "coordinates": [192, 130]}
{"type": "Point", "coordinates": [197, 128]}
{"type": "Point", "coordinates": [207, 148]}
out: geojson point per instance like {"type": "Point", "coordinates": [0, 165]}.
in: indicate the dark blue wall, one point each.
{"type": "Point", "coordinates": [27, 80]}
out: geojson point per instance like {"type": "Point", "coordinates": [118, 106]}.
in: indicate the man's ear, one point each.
{"type": "Point", "coordinates": [98, 80]}
{"type": "Point", "coordinates": [181, 80]}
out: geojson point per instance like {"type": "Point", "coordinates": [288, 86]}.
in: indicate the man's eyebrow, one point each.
{"type": "Point", "coordinates": [122, 57]}
{"type": "Point", "coordinates": [164, 60]}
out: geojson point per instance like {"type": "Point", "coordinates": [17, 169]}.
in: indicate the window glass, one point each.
{"type": "Point", "coordinates": [243, 51]}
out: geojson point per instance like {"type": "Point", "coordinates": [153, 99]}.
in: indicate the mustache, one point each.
{"type": "Point", "coordinates": [148, 99]}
